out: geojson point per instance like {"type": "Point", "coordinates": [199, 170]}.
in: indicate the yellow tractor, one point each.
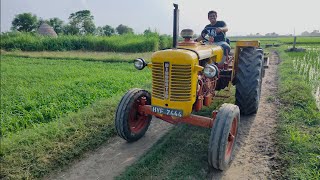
{"type": "Point", "coordinates": [184, 79]}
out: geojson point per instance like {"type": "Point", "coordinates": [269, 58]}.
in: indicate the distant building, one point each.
{"type": "Point", "coordinates": [47, 30]}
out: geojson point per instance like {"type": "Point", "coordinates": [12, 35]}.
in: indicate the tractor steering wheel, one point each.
{"type": "Point", "coordinates": [210, 33]}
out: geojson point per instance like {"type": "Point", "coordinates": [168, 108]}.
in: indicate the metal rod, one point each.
{"type": "Point", "coordinates": [175, 25]}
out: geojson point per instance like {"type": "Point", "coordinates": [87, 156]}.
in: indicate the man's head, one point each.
{"type": "Point", "coordinates": [212, 16]}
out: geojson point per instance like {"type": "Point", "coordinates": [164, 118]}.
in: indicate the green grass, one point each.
{"type": "Point", "coordinates": [38, 90]}
{"type": "Point", "coordinates": [63, 108]}
{"type": "Point", "coordinates": [34, 152]}
{"type": "Point", "coordinates": [283, 40]}
{"type": "Point", "coordinates": [299, 125]}
{"type": "Point", "coordinates": [80, 55]}
{"type": "Point", "coordinates": [180, 154]}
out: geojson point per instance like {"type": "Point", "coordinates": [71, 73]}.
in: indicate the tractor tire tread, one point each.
{"type": "Point", "coordinates": [220, 130]}
{"type": "Point", "coordinates": [249, 80]}
{"type": "Point", "coordinates": [123, 111]}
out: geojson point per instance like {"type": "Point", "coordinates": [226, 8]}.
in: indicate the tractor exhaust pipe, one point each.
{"type": "Point", "coordinates": [175, 25]}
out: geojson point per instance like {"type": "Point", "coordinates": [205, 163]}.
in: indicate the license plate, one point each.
{"type": "Point", "coordinates": [167, 111]}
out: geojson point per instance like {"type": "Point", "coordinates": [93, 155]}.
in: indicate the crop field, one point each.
{"type": "Point", "coordinates": [299, 140]}
{"type": "Point", "coordinates": [283, 40]}
{"type": "Point", "coordinates": [308, 65]}
{"type": "Point", "coordinates": [124, 43]}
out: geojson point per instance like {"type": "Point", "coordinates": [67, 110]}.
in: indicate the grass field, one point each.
{"type": "Point", "coordinates": [283, 40]}
{"type": "Point", "coordinates": [57, 105]}
{"type": "Point", "coordinates": [39, 91]}
{"type": "Point", "coordinates": [53, 110]}
{"type": "Point", "coordinates": [80, 55]}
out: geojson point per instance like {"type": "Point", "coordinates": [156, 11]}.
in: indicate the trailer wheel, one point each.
{"type": "Point", "coordinates": [249, 80]}
{"type": "Point", "coordinates": [223, 137]}
{"type": "Point", "coordinates": [129, 123]}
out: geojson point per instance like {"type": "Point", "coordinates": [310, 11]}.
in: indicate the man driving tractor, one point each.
{"type": "Point", "coordinates": [216, 31]}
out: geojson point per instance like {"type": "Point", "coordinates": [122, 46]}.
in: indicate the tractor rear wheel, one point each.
{"type": "Point", "coordinates": [223, 136]}
{"type": "Point", "coordinates": [249, 80]}
{"type": "Point", "coordinates": [130, 124]}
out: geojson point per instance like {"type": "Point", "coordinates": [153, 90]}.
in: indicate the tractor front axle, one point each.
{"type": "Point", "coordinates": [192, 119]}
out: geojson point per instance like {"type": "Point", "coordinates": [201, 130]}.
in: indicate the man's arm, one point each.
{"type": "Point", "coordinates": [223, 29]}
{"type": "Point", "coordinates": [203, 33]}
{"type": "Point", "coordinates": [200, 37]}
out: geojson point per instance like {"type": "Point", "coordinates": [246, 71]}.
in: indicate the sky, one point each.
{"type": "Point", "coordinates": [242, 17]}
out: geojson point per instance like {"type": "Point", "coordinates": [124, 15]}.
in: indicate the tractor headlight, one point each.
{"type": "Point", "coordinates": [139, 63]}
{"type": "Point", "coordinates": [210, 71]}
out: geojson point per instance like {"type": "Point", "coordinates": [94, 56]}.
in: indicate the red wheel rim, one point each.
{"type": "Point", "coordinates": [137, 121]}
{"type": "Point", "coordinates": [231, 138]}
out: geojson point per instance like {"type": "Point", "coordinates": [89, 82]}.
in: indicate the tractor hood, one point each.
{"type": "Point", "coordinates": [183, 54]}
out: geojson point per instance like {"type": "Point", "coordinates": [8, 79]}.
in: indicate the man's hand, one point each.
{"type": "Point", "coordinates": [218, 30]}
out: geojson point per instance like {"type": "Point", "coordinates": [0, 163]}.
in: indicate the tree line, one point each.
{"type": "Point", "coordinates": [80, 23]}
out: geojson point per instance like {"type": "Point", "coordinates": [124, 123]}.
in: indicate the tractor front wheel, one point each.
{"type": "Point", "coordinates": [131, 124]}
{"type": "Point", "coordinates": [223, 136]}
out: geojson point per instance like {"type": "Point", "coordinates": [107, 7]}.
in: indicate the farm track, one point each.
{"type": "Point", "coordinates": [112, 157]}
{"type": "Point", "coordinates": [255, 151]}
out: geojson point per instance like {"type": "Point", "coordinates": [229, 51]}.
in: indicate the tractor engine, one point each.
{"type": "Point", "coordinates": [205, 91]}
{"type": "Point", "coordinates": [185, 77]}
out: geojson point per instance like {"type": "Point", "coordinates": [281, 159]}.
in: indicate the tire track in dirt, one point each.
{"type": "Point", "coordinates": [111, 158]}
{"type": "Point", "coordinates": [255, 150]}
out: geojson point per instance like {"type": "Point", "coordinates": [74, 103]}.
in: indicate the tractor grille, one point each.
{"type": "Point", "coordinates": [179, 83]}
{"type": "Point", "coordinates": [157, 80]}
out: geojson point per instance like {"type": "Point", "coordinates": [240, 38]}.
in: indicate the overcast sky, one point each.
{"type": "Point", "coordinates": [242, 16]}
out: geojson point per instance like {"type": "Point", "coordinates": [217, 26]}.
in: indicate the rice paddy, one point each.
{"type": "Point", "coordinates": [308, 65]}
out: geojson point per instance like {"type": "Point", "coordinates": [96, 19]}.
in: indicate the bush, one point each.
{"type": "Point", "coordinates": [123, 43]}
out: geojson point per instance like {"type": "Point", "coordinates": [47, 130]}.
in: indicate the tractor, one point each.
{"type": "Point", "coordinates": [187, 77]}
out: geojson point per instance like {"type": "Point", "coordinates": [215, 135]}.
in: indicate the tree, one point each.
{"type": "Point", "coordinates": [81, 22]}
{"type": "Point", "coordinates": [25, 22]}
{"type": "Point", "coordinates": [99, 31]}
{"type": "Point", "coordinates": [108, 30]}
{"type": "Point", "coordinates": [88, 27]}
{"type": "Point", "coordinates": [122, 29]}
{"type": "Point", "coordinates": [315, 33]}
{"type": "Point", "coordinates": [69, 29]}
{"type": "Point", "coordinates": [147, 31]}
{"type": "Point", "coordinates": [57, 24]}
{"type": "Point", "coordinates": [305, 33]}
{"type": "Point", "coordinates": [272, 34]}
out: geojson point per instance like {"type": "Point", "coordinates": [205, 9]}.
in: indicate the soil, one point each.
{"type": "Point", "coordinates": [255, 152]}
{"type": "Point", "coordinates": [255, 149]}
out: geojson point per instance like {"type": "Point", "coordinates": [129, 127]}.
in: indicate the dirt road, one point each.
{"type": "Point", "coordinates": [254, 152]}
{"type": "Point", "coordinates": [113, 156]}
